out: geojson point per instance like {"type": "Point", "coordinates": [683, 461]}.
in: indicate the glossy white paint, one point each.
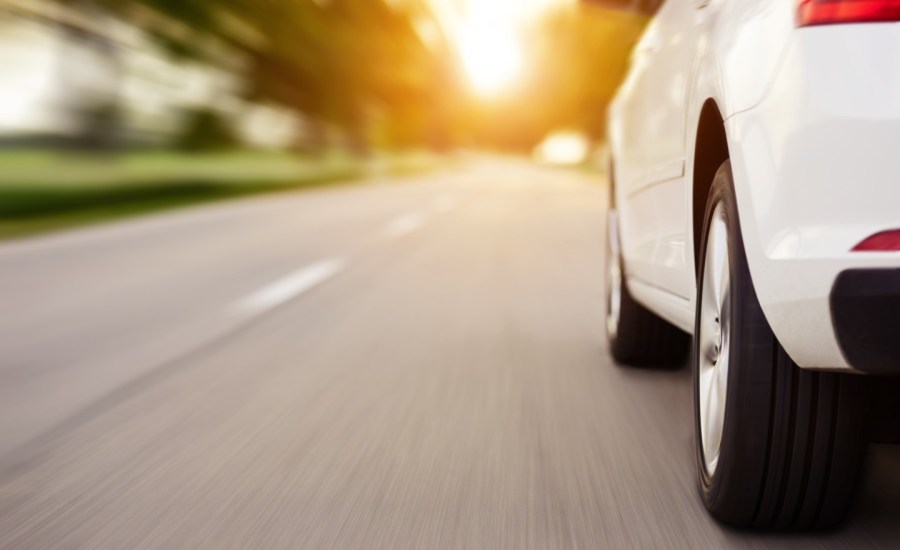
{"type": "Point", "coordinates": [812, 118]}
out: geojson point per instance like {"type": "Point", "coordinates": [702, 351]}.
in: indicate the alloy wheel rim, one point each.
{"type": "Point", "coordinates": [714, 339]}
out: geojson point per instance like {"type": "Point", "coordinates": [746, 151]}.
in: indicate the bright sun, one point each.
{"type": "Point", "coordinates": [492, 57]}
{"type": "Point", "coordinates": [488, 37]}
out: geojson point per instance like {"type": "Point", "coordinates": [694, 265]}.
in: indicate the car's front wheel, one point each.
{"type": "Point", "coordinates": [777, 446]}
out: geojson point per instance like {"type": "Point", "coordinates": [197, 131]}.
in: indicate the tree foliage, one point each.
{"type": "Point", "coordinates": [362, 67]}
{"type": "Point", "coordinates": [578, 57]}
{"type": "Point", "coordinates": [340, 62]}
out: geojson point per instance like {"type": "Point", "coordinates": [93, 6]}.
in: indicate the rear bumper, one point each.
{"type": "Point", "coordinates": [865, 308]}
{"type": "Point", "coordinates": [816, 171]}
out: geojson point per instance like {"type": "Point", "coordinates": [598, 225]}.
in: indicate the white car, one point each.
{"type": "Point", "coordinates": [755, 204]}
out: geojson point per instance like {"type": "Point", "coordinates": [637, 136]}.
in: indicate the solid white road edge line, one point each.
{"type": "Point", "coordinates": [291, 286]}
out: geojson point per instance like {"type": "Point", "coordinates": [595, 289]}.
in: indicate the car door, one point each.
{"type": "Point", "coordinates": [653, 188]}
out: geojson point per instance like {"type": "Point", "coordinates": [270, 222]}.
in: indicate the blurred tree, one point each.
{"type": "Point", "coordinates": [594, 46]}
{"type": "Point", "coordinates": [578, 57]}
{"type": "Point", "coordinates": [363, 68]}
{"type": "Point", "coordinates": [344, 62]}
{"type": "Point", "coordinates": [341, 63]}
{"type": "Point", "coordinates": [206, 130]}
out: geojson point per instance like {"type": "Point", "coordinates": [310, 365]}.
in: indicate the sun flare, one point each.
{"type": "Point", "coordinates": [488, 36]}
{"type": "Point", "coordinates": [492, 58]}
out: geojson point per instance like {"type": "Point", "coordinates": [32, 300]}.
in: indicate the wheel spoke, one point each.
{"type": "Point", "coordinates": [713, 331]}
{"type": "Point", "coordinates": [709, 289]}
{"type": "Point", "coordinates": [720, 258]}
{"type": "Point", "coordinates": [711, 422]}
{"type": "Point", "coordinates": [710, 447]}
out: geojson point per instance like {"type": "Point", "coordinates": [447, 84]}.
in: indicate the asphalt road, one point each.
{"type": "Point", "coordinates": [411, 364]}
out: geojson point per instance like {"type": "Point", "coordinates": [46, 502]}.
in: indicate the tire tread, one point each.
{"type": "Point", "coordinates": [797, 441]}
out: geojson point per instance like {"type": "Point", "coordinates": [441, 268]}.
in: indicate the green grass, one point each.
{"type": "Point", "coordinates": [42, 191]}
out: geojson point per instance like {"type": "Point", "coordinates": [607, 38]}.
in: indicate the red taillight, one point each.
{"type": "Point", "coordinates": [886, 241]}
{"type": "Point", "coordinates": [829, 12]}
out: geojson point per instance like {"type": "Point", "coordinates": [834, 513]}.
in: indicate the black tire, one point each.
{"type": "Point", "coordinates": [792, 440]}
{"type": "Point", "coordinates": [639, 337]}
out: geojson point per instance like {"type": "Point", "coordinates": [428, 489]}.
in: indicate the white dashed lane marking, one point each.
{"type": "Point", "coordinates": [291, 286]}
{"type": "Point", "coordinates": [404, 224]}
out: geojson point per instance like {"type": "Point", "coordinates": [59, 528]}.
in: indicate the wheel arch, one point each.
{"type": "Point", "coordinates": [710, 151]}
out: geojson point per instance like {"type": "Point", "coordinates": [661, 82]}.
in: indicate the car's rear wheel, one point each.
{"type": "Point", "coordinates": [777, 446]}
{"type": "Point", "coordinates": [636, 336]}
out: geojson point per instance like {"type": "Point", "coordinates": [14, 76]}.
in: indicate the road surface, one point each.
{"type": "Point", "coordinates": [411, 364]}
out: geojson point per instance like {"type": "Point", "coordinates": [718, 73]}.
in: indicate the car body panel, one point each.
{"type": "Point", "coordinates": [817, 170]}
{"type": "Point", "coordinates": [813, 130]}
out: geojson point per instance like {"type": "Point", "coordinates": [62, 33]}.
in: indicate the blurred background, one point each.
{"type": "Point", "coordinates": [106, 106]}
{"type": "Point", "coordinates": [394, 339]}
